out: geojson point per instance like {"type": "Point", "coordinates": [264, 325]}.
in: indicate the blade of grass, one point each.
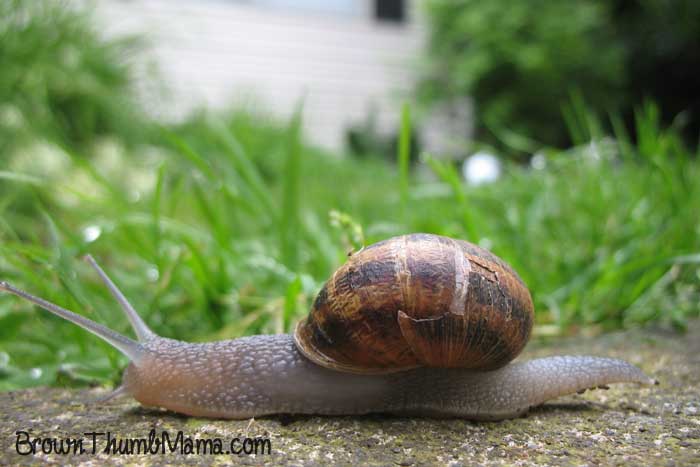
{"type": "Point", "coordinates": [290, 303]}
{"type": "Point", "coordinates": [19, 177]}
{"type": "Point", "coordinates": [156, 210]}
{"type": "Point", "coordinates": [236, 154]}
{"type": "Point", "coordinates": [449, 175]}
{"type": "Point", "coordinates": [403, 157]}
{"type": "Point", "coordinates": [291, 200]}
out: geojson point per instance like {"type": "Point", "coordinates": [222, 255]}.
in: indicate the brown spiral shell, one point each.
{"type": "Point", "coordinates": [418, 300]}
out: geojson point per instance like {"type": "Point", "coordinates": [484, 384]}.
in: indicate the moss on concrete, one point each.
{"type": "Point", "coordinates": [621, 426]}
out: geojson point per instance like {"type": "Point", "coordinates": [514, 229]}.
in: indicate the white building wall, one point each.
{"type": "Point", "coordinates": [222, 52]}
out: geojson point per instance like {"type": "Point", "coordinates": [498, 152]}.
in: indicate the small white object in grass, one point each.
{"type": "Point", "coordinates": [538, 161]}
{"type": "Point", "coordinates": [592, 151]}
{"type": "Point", "coordinates": [481, 167]}
{"type": "Point", "coordinates": [91, 233]}
{"type": "Point", "coordinates": [35, 373]}
{"type": "Point", "coordinates": [134, 196]}
{"type": "Point", "coordinates": [11, 117]}
{"type": "Point", "coordinates": [152, 273]}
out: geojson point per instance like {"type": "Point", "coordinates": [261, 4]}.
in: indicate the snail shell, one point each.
{"type": "Point", "coordinates": [418, 300]}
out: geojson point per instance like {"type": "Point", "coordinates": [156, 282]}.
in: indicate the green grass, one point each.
{"type": "Point", "coordinates": [61, 80]}
{"type": "Point", "coordinates": [219, 241]}
{"type": "Point", "coordinates": [228, 224]}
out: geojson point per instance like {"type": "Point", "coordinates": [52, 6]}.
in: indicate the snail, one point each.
{"type": "Point", "coordinates": [418, 324]}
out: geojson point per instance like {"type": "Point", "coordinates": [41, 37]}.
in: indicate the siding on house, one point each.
{"type": "Point", "coordinates": [224, 52]}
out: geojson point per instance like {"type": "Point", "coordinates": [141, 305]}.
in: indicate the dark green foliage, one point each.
{"type": "Point", "coordinates": [662, 43]}
{"type": "Point", "coordinates": [521, 61]}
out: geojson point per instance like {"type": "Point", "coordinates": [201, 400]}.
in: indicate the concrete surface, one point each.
{"type": "Point", "coordinates": [625, 425]}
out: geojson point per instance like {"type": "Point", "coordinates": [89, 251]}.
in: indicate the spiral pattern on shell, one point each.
{"type": "Point", "coordinates": [418, 300]}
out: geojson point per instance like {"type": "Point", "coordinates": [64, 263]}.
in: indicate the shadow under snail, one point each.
{"type": "Point", "coordinates": [416, 325]}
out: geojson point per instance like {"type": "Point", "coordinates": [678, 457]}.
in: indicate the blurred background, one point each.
{"type": "Point", "coordinates": [220, 158]}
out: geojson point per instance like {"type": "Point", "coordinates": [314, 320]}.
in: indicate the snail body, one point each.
{"type": "Point", "coordinates": [417, 325]}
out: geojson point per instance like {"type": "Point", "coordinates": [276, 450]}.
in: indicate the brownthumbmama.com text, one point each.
{"type": "Point", "coordinates": [154, 443]}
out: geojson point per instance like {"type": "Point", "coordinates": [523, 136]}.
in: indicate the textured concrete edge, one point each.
{"type": "Point", "coordinates": [625, 424]}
